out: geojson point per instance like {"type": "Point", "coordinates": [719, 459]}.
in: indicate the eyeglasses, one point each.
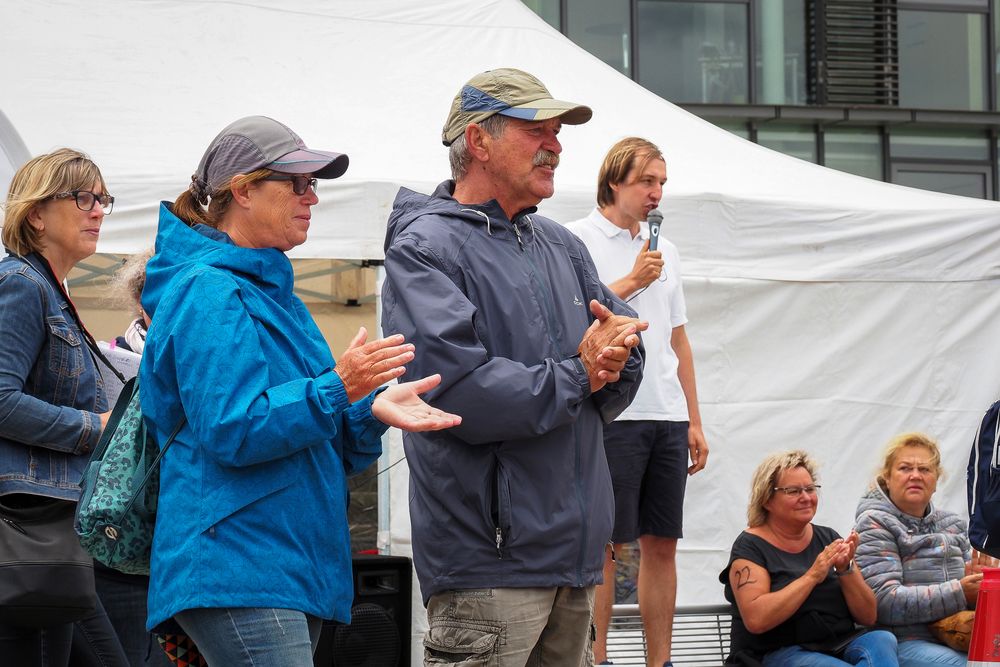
{"type": "Point", "coordinates": [798, 490]}
{"type": "Point", "coordinates": [300, 183]}
{"type": "Point", "coordinates": [85, 200]}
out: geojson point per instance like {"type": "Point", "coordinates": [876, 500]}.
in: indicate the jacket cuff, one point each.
{"type": "Point", "coordinates": [580, 376]}
{"type": "Point", "coordinates": [333, 390]}
{"type": "Point", "coordinates": [91, 434]}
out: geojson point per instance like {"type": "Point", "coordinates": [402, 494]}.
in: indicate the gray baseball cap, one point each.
{"type": "Point", "coordinates": [259, 142]}
{"type": "Point", "coordinates": [508, 92]}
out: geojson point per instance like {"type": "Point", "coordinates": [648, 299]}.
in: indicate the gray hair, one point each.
{"type": "Point", "coordinates": [458, 152]}
{"type": "Point", "coordinates": [128, 281]}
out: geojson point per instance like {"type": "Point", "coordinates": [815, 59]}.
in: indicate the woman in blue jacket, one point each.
{"type": "Point", "coordinates": [251, 548]}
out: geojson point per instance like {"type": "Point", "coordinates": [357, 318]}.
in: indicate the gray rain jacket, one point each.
{"type": "Point", "coordinates": [912, 564]}
{"type": "Point", "coordinates": [519, 495]}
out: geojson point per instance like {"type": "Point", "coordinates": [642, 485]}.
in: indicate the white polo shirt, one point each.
{"type": "Point", "coordinates": [660, 396]}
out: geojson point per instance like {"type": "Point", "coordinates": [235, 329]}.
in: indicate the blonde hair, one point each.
{"type": "Point", "coordinates": [766, 477]}
{"type": "Point", "coordinates": [629, 153]}
{"type": "Point", "coordinates": [62, 170]}
{"type": "Point", "coordinates": [913, 439]}
{"type": "Point", "coordinates": [127, 282]}
{"type": "Point", "coordinates": [188, 208]}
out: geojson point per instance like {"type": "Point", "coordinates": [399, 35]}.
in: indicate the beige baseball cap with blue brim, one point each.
{"type": "Point", "coordinates": [508, 92]}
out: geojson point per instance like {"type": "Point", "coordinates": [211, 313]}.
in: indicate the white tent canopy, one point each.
{"type": "Point", "coordinates": [828, 312]}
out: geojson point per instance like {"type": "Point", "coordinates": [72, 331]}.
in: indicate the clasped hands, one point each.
{"type": "Point", "coordinates": [606, 344]}
{"type": "Point", "coordinates": [836, 556]}
{"type": "Point", "coordinates": [363, 367]}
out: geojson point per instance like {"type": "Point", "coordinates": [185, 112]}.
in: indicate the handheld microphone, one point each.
{"type": "Point", "coordinates": [655, 219]}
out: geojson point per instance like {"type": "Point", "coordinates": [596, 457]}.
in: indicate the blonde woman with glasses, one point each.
{"type": "Point", "coordinates": [52, 401]}
{"type": "Point", "coordinates": [799, 599]}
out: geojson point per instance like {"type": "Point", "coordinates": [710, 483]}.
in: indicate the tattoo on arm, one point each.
{"type": "Point", "coordinates": [743, 577]}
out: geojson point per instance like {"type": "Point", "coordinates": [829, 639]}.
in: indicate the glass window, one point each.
{"type": "Point", "coordinates": [781, 52]}
{"type": "Point", "coordinates": [939, 144]}
{"type": "Point", "coordinates": [964, 181]}
{"type": "Point", "coordinates": [736, 127]}
{"type": "Point", "coordinates": [942, 60]}
{"type": "Point", "coordinates": [854, 150]}
{"type": "Point", "coordinates": [602, 27]}
{"type": "Point", "coordinates": [694, 51]}
{"type": "Point", "coordinates": [795, 140]}
{"type": "Point", "coordinates": [954, 5]}
{"type": "Point", "coordinates": [547, 9]}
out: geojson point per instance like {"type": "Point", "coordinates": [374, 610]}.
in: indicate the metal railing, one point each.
{"type": "Point", "coordinates": [700, 637]}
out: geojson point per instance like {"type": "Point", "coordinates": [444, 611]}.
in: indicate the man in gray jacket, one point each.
{"type": "Point", "coordinates": [510, 511]}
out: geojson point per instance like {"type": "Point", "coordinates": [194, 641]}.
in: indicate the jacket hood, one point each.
{"type": "Point", "coordinates": [410, 205]}
{"type": "Point", "coordinates": [877, 500]}
{"type": "Point", "coordinates": [181, 248]}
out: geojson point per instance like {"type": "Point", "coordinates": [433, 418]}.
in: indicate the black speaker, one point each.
{"type": "Point", "coordinates": [379, 633]}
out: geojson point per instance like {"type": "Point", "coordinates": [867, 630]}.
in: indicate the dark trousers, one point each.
{"type": "Point", "coordinates": [124, 598]}
{"type": "Point", "coordinates": [90, 642]}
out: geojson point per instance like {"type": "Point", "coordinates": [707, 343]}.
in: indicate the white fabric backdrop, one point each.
{"type": "Point", "coordinates": [827, 311]}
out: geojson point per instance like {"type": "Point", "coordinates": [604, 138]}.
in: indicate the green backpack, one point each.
{"type": "Point", "coordinates": [117, 509]}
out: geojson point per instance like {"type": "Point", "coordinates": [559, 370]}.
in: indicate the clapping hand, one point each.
{"type": "Point", "coordinates": [974, 575]}
{"type": "Point", "coordinates": [363, 367]}
{"type": "Point", "coordinates": [979, 561]}
{"type": "Point", "coordinates": [849, 545]}
{"type": "Point", "coordinates": [606, 344]}
{"type": "Point", "coordinates": [401, 406]}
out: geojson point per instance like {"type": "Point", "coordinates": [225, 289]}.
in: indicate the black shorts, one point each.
{"type": "Point", "coordinates": [649, 462]}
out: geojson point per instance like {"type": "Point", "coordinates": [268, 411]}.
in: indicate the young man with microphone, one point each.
{"type": "Point", "coordinates": [649, 444]}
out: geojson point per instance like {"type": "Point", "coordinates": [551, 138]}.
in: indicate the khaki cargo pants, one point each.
{"type": "Point", "coordinates": [510, 627]}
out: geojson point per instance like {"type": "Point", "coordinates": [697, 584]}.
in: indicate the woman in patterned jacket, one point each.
{"type": "Point", "coordinates": [916, 557]}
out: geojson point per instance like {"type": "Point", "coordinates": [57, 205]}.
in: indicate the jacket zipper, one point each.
{"type": "Point", "coordinates": [498, 513]}
{"type": "Point", "coordinates": [547, 307]}
{"type": "Point", "coordinates": [544, 295]}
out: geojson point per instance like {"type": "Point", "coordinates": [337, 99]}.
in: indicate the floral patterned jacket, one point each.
{"type": "Point", "coordinates": [913, 564]}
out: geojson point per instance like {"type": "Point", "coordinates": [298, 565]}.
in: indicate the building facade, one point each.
{"type": "Point", "coordinates": [903, 91]}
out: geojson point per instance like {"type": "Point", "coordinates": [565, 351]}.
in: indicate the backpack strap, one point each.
{"type": "Point", "coordinates": [154, 466]}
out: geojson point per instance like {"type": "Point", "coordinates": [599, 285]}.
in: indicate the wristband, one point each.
{"type": "Point", "coordinates": [846, 570]}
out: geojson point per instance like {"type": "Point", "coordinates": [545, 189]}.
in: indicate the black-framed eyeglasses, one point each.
{"type": "Point", "coordinates": [798, 490]}
{"type": "Point", "coordinates": [85, 200]}
{"type": "Point", "coordinates": [300, 183]}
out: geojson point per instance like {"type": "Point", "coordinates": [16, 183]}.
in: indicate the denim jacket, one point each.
{"type": "Point", "coordinates": [50, 387]}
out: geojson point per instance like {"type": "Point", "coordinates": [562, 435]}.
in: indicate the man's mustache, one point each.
{"type": "Point", "coordinates": [545, 158]}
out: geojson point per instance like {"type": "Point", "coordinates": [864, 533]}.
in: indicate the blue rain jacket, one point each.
{"type": "Point", "coordinates": [253, 496]}
{"type": "Point", "coordinates": [519, 495]}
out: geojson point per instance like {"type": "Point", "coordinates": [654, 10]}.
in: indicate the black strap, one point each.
{"type": "Point", "coordinates": [152, 467]}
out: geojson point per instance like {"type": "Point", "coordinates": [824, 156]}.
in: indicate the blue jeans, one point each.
{"type": "Point", "coordinates": [872, 649]}
{"type": "Point", "coordinates": [923, 653]}
{"type": "Point", "coordinates": [254, 636]}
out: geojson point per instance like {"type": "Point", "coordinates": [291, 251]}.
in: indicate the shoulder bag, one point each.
{"type": "Point", "coordinates": [117, 510]}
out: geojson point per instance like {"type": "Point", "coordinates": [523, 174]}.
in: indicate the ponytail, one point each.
{"type": "Point", "coordinates": [190, 204]}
